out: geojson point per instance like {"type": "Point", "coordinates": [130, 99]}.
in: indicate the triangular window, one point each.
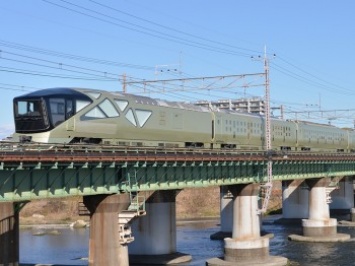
{"type": "Point", "coordinates": [96, 95]}
{"type": "Point", "coordinates": [130, 117]}
{"type": "Point", "coordinates": [95, 113]}
{"type": "Point", "coordinates": [122, 104]}
{"type": "Point", "coordinates": [143, 116]}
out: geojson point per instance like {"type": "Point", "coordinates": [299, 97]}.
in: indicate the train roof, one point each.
{"type": "Point", "coordinates": [314, 123]}
{"type": "Point", "coordinates": [51, 92]}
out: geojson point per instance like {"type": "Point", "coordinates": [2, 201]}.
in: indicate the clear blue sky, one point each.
{"type": "Point", "coordinates": [313, 41]}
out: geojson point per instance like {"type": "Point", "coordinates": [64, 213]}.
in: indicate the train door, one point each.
{"type": "Point", "coordinates": [296, 136]}
{"type": "Point", "coordinates": [249, 131]}
{"type": "Point", "coordinates": [218, 137]}
{"type": "Point", "coordinates": [213, 135]}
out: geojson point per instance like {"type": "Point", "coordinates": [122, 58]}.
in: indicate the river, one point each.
{"type": "Point", "coordinates": [65, 246]}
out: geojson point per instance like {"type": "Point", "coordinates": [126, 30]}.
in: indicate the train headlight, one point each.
{"type": "Point", "coordinates": [24, 138]}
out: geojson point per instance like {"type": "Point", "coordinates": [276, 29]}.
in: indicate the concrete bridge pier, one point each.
{"type": "Point", "coordinates": [9, 234]}
{"type": "Point", "coordinates": [246, 246]}
{"type": "Point", "coordinates": [155, 233]}
{"type": "Point", "coordinates": [343, 197]}
{"type": "Point", "coordinates": [226, 214]}
{"type": "Point", "coordinates": [294, 199]}
{"type": "Point", "coordinates": [319, 227]}
{"type": "Point", "coordinates": [104, 244]}
{"type": "Point", "coordinates": [226, 201]}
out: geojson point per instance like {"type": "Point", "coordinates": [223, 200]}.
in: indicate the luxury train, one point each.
{"type": "Point", "coordinates": [71, 115]}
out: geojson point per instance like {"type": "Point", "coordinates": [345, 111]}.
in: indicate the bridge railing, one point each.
{"type": "Point", "coordinates": [8, 148]}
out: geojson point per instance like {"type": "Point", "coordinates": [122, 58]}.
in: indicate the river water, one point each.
{"type": "Point", "coordinates": [65, 246]}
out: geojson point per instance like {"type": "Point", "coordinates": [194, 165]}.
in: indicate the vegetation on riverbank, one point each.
{"type": "Point", "coordinates": [190, 204]}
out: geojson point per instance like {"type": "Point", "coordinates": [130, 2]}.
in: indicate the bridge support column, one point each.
{"type": "Point", "coordinates": [226, 214]}
{"type": "Point", "coordinates": [294, 200]}
{"type": "Point", "coordinates": [343, 197]}
{"type": "Point", "coordinates": [319, 227]}
{"type": "Point", "coordinates": [247, 246]}
{"type": "Point", "coordinates": [226, 210]}
{"type": "Point", "coordinates": [9, 235]}
{"type": "Point", "coordinates": [155, 233]}
{"type": "Point", "coordinates": [104, 245]}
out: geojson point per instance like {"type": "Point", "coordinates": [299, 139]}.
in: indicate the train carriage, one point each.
{"type": "Point", "coordinates": [319, 137]}
{"type": "Point", "coordinates": [68, 115]}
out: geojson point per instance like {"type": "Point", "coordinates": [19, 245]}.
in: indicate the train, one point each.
{"type": "Point", "coordinates": [77, 115]}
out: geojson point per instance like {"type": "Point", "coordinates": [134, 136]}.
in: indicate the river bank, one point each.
{"type": "Point", "coordinates": [196, 203]}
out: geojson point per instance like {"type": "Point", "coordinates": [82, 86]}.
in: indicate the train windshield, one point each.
{"type": "Point", "coordinates": [30, 115]}
{"type": "Point", "coordinates": [46, 109]}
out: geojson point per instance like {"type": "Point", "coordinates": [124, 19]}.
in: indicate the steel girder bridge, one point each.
{"type": "Point", "coordinates": [29, 172]}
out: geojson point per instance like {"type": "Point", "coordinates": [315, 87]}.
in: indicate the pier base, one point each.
{"type": "Point", "coordinates": [246, 247]}
{"type": "Point", "coordinates": [319, 227]}
{"type": "Point", "coordinates": [104, 246]}
{"type": "Point", "coordinates": [270, 261]}
{"type": "Point", "coordinates": [9, 235]}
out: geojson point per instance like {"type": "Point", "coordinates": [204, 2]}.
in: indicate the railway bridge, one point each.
{"type": "Point", "coordinates": [119, 184]}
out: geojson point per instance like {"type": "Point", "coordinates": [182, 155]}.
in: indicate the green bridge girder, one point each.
{"type": "Point", "coordinates": [29, 175]}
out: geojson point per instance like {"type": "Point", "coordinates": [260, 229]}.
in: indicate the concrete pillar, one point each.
{"type": "Point", "coordinates": [226, 214]}
{"type": "Point", "coordinates": [9, 235]}
{"type": "Point", "coordinates": [319, 227]}
{"type": "Point", "coordinates": [246, 242]}
{"type": "Point", "coordinates": [246, 247]}
{"type": "Point", "coordinates": [294, 199]}
{"type": "Point", "coordinates": [155, 233]}
{"type": "Point", "coordinates": [319, 222]}
{"type": "Point", "coordinates": [226, 202]}
{"type": "Point", "coordinates": [104, 245]}
{"type": "Point", "coordinates": [342, 200]}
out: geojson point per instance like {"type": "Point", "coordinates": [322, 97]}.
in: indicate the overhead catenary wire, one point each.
{"type": "Point", "coordinates": [172, 29]}
{"type": "Point", "coordinates": [59, 64]}
{"type": "Point", "coordinates": [146, 31]}
{"type": "Point", "coordinates": [59, 67]}
{"type": "Point", "coordinates": [292, 74]}
{"type": "Point", "coordinates": [46, 74]}
{"type": "Point", "coordinates": [323, 81]}
{"type": "Point", "coordinates": [71, 56]}
{"type": "Point", "coordinates": [14, 89]}
{"type": "Point", "coordinates": [308, 79]}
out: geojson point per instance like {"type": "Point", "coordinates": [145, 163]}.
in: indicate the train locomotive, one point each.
{"type": "Point", "coordinates": [73, 115]}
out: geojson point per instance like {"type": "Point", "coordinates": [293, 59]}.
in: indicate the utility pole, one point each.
{"type": "Point", "coordinates": [267, 104]}
{"type": "Point", "coordinates": [267, 134]}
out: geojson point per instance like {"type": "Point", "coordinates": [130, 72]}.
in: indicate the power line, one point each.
{"type": "Point", "coordinates": [46, 74]}
{"type": "Point", "coordinates": [314, 76]}
{"type": "Point", "coordinates": [278, 68]}
{"type": "Point", "coordinates": [58, 68]}
{"type": "Point", "coordinates": [309, 81]}
{"type": "Point", "coordinates": [156, 34]}
{"type": "Point", "coordinates": [12, 89]}
{"type": "Point", "coordinates": [319, 82]}
{"type": "Point", "coordinates": [71, 56]}
{"type": "Point", "coordinates": [172, 29]}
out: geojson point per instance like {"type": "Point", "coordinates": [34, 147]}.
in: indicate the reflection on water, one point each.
{"type": "Point", "coordinates": [67, 247]}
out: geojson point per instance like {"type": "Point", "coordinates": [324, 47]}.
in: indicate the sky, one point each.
{"type": "Point", "coordinates": [99, 44]}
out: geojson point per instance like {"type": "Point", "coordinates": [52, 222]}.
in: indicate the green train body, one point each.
{"type": "Point", "coordinates": [66, 115]}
